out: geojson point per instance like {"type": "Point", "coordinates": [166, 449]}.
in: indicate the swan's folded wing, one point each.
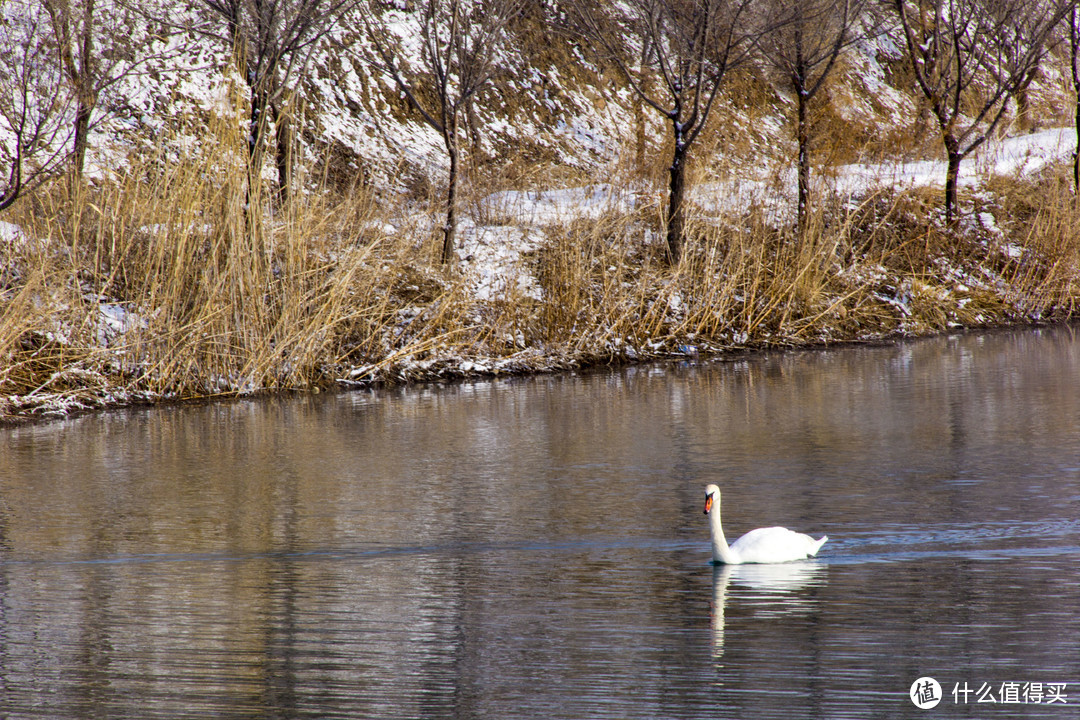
{"type": "Point", "coordinates": [775, 544]}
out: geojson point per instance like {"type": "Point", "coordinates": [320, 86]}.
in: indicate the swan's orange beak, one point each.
{"type": "Point", "coordinates": [708, 504]}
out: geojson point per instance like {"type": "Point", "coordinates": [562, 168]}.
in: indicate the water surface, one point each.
{"type": "Point", "coordinates": [535, 548]}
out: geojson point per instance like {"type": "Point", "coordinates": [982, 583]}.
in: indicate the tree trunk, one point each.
{"type": "Point", "coordinates": [14, 184]}
{"type": "Point", "coordinates": [640, 135]}
{"type": "Point", "coordinates": [804, 160]}
{"type": "Point", "coordinates": [283, 156]}
{"type": "Point", "coordinates": [1023, 109]}
{"type": "Point", "coordinates": [1076, 153]}
{"type": "Point", "coordinates": [76, 58]}
{"type": "Point", "coordinates": [86, 81]}
{"type": "Point", "coordinates": [1076, 116]}
{"type": "Point", "coordinates": [255, 129]}
{"type": "Point", "coordinates": [258, 121]}
{"type": "Point", "coordinates": [450, 229]}
{"type": "Point", "coordinates": [1074, 59]}
{"type": "Point", "coordinates": [676, 221]}
{"type": "Point", "coordinates": [82, 134]}
{"type": "Point", "coordinates": [952, 176]}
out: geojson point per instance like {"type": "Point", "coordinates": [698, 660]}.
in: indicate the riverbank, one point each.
{"type": "Point", "coordinates": [171, 290]}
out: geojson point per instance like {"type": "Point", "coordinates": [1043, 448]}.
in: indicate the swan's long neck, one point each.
{"type": "Point", "coordinates": [721, 553]}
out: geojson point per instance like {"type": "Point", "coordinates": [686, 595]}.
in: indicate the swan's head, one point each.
{"type": "Point", "coordinates": [712, 497]}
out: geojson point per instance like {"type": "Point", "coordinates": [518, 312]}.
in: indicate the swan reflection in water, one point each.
{"type": "Point", "coordinates": [772, 589]}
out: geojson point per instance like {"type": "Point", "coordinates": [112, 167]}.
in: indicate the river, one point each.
{"type": "Point", "coordinates": [536, 548]}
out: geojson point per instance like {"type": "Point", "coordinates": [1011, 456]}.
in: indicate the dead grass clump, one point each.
{"type": "Point", "coordinates": [741, 282]}
{"type": "Point", "coordinates": [1039, 250]}
{"type": "Point", "coordinates": [594, 274]}
{"type": "Point", "coordinates": [190, 289]}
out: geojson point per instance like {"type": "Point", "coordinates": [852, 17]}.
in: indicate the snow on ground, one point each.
{"type": "Point", "coordinates": [1027, 154]}
{"type": "Point", "coordinates": [10, 233]}
{"type": "Point", "coordinates": [494, 258]}
{"type": "Point", "coordinates": [114, 321]}
{"type": "Point", "coordinates": [774, 189]}
{"type": "Point", "coordinates": [548, 207]}
{"type": "Point", "coordinates": [496, 255]}
{"type": "Point", "coordinates": [1020, 155]}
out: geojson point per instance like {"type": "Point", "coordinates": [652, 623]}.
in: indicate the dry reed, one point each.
{"type": "Point", "coordinates": [180, 280]}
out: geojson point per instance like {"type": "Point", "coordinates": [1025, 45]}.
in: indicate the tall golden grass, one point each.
{"type": "Point", "coordinates": [221, 292]}
{"type": "Point", "coordinates": [178, 280]}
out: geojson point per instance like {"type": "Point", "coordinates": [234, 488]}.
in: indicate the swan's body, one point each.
{"type": "Point", "coordinates": [764, 545]}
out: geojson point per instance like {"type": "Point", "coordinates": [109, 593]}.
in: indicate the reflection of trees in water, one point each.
{"type": "Point", "coordinates": [429, 549]}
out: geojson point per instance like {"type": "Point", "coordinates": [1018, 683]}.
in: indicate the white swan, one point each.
{"type": "Point", "coordinates": [764, 545]}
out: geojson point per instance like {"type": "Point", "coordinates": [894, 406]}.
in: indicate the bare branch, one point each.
{"type": "Point", "coordinates": [35, 100]}
{"type": "Point", "coordinates": [272, 41]}
{"type": "Point", "coordinates": [804, 48]}
{"type": "Point", "coordinates": [968, 57]}
{"type": "Point", "coordinates": [693, 45]}
{"type": "Point", "coordinates": [459, 44]}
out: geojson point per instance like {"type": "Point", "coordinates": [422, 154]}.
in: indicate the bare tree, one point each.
{"type": "Point", "coordinates": [1074, 61]}
{"type": "Point", "coordinates": [76, 48]}
{"type": "Point", "coordinates": [968, 57]}
{"type": "Point", "coordinates": [804, 48]}
{"type": "Point", "coordinates": [99, 47]}
{"type": "Point", "coordinates": [458, 44]}
{"type": "Point", "coordinates": [689, 45]}
{"type": "Point", "coordinates": [272, 40]}
{"type": "Point", "coordinates": [35, 100]}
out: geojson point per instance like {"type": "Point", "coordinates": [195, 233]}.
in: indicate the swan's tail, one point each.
{"type": "Point", "coordinates": [817, 545]}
